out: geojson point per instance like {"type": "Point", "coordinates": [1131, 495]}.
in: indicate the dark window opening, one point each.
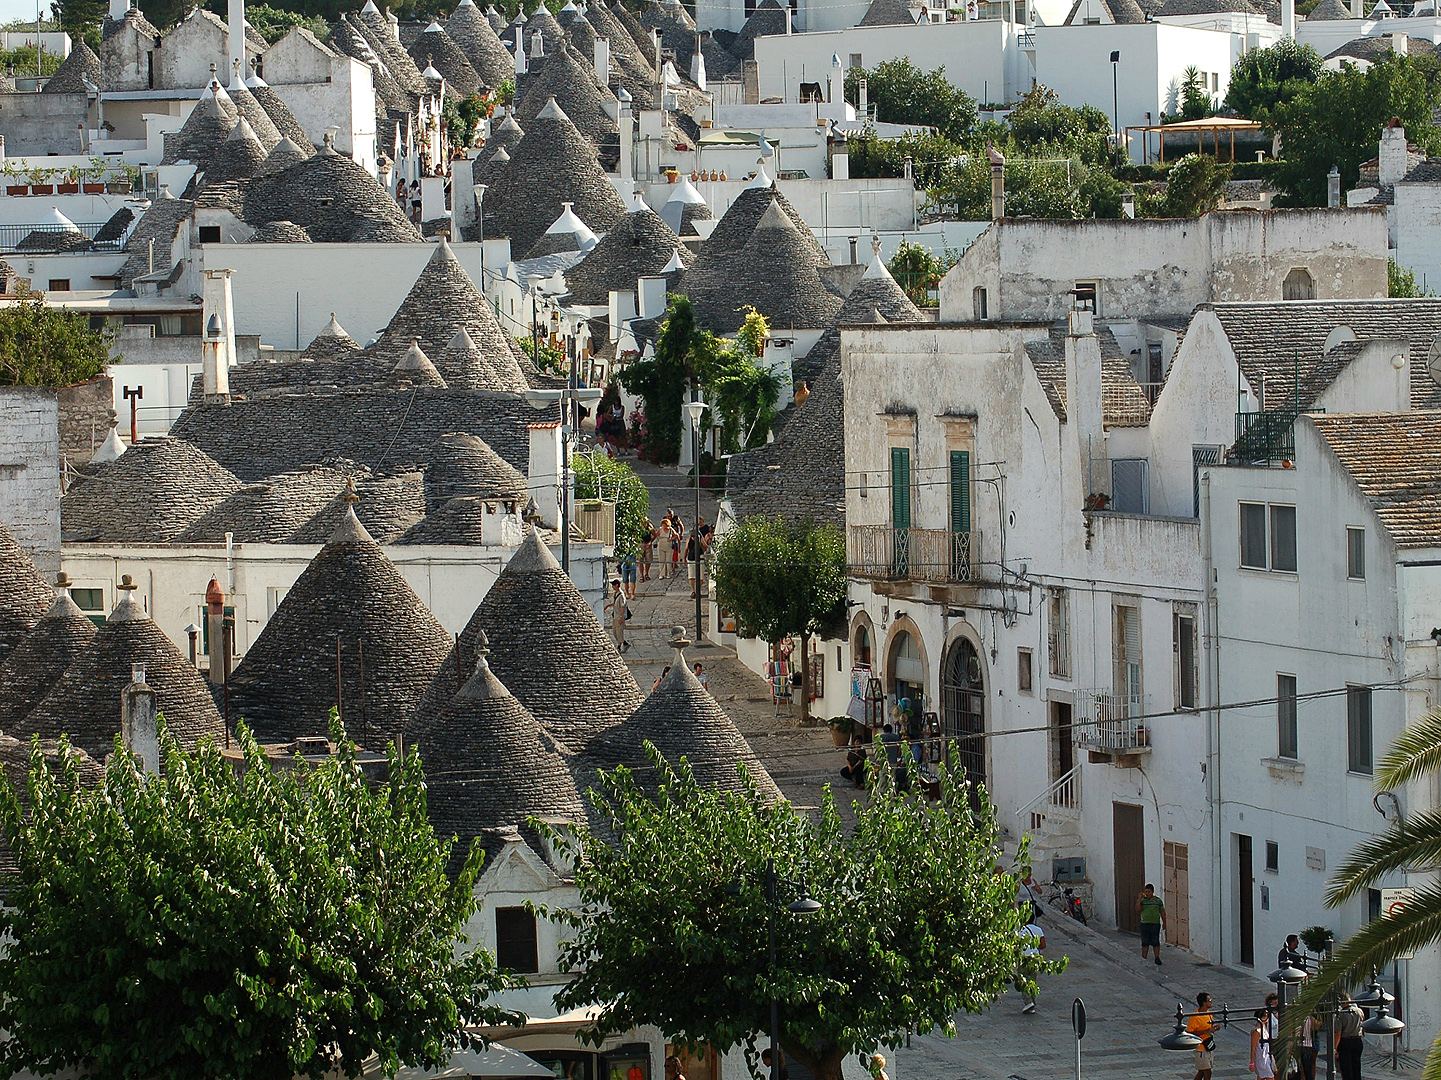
{"type": "Point", "coordinates": [1273, 856]}
{"type": "Point", "coordinates": [210, 234]}
{"type": "Point", "coordinates": [60, 284]}
{"type": "Point", "coordinates": [515, 944]}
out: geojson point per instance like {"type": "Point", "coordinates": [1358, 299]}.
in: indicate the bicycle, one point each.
{"type": "Point", "coordinates": [1064, 897]}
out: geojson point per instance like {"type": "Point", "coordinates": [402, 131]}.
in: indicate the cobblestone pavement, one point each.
{"type": "Point", "coordinates": [1130, 1003]}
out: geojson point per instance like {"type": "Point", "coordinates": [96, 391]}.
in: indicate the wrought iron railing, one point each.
{"type": "Point", "coordinates": [1111, 722]}
{"type": "Point", "coordinates": [886, 553]}
{"type": "Point", "coordinates": [1264, 437]}
{"type": "Point", "coordinates": [1059, 802]}
{"type": "Point", "coordinates": [35, 239]}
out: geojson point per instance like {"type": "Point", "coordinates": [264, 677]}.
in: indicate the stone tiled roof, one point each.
{"type": "Point", "coordinates": [415, 369]}
{"type": "Point", "coordinates": [376, 31]}
{"type": "Point", "coordinates": [581, 36]}
{"type": "Point", "coordinates": [389, 505]}
{"type": "Point", "coordinates": [207, 126]}
{"type": "Point", "coordinates": [548, 647]}
{"type": "Point", "coordinates": [442, 301]}
{"type": "Point", "coordinates": [135, 20]}
{"type": "Point", "coordinates": [331, 197]}
{"type": "Point", "coordinates": [331, 343]}
{"type": "Point", "coordinates": [114, 228]}
{"type": "Point", "coordinates": [1121, 11]}
{"type": "Point", "coordinates": [1123, 403]}
{"type": "Point", "coordinates": [285, 154]}
{"type": "Point", "coordinates": [638, 33]}
{"type": "Point", "coordinates": [379, 427]}
{"type": "Point", "coordinates": [736, 225]}
{"type": "Point", "coordinates": [775, 272]}
{"type": "Point", "coordinates": [889, 13]}
{"type": "Point", "coordinates": [768, 18]}
{"type": "Point", "coordinates": [490, 764]}
{"type": "Point", "coordinates": [504, 134]}
{"type": "Point", "coordinates": [84, 703]}
{"type": "Point", "coordinates": [1395, 459]}
{"type": "Point", "coordinates": [150, 494]}
{"type": "Point", "coordinates": [347, 36]}
{"type": "Point", "coordinates": [350, 593]}
{"type": "Point", "coordinates": [1271, 340]}
{"type": "Point", "coordinates": [552, 34]}
{"type": "Point", "coordinates": [24, 595]}
{"type": "Point", "coordinates": [435, 48]}
{"type": "Point", "coordinates": [1208, 7]}
{"type": "Point", "coordinates": [466, 366]}
{"type": "Point", "coordinates": [641, 244]}
{"type": "Point", "coordinates": [1329, 9]}
{"type": "Point", "coordinates": [802, 474]}
{"type": "Point", "coordinates": [678, 35]}
{"type": "Point", "coordinates": [458, 521]}
{"type": "Point", "coordinates": [273, 510]}
{"type": "Point", "coordinates": [53, 241]}
{"type": "Point", "coordinates": [238, 157]}
{"type": "Point", "coordinates": [553, 164]}
{"type": "Point", "coordinates": [495, 18]}
{"type": "Point", "coordinates": [1378, 48]}
{"type": "Point", "coordinates": [280, 232]}
{"type": "Point", "coordinates": [253, 113]}
{"type": "Point", "coordinates": [38, 661]}
{"type": "Point", "coordinates": [682, 721]}
{"type": "Point", "coordinates": [160, 223]}
{"type": "Point", "coordinates": [629, 66]}
{"type": "Point", "coordinates": [80, 67]}
{"type": "Point", "coordinates": [286, 125]}
{"type": "Point", "coordinates": [477, 39]}
{"type": "Point", "coordinates": [463, 464]}
{"type": "Point", "coordinates": [569, 80]}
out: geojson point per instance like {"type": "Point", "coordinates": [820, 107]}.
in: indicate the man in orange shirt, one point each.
{"type": "Point", "coordinates": [1203, 1025]}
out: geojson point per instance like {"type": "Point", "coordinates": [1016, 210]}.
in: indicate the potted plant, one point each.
{"type": "Point", "coordinates": [13, 170]}
{"type": "Point", "coordinates": [1318, 940]}
{"type": "Point", "coordinates": [841, 728]}
{"type": "Point", "coordinates": [41, 181]}
{"type": "Point", "coordinates": [122, 184]}
{"type": "Point", "coordinates": [69, 182]}
{"type": "Point", "coordinates": [93, 178]}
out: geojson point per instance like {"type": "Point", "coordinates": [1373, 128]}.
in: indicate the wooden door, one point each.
{"type": "Point", "coordinates": [1063, 754]}
{"type": "Point", "coordinates": [1245, 888]}
{"type": "Point", "coordinates": [1129, 828]}
{"type": "Point", "coordinates": [1176, 891]}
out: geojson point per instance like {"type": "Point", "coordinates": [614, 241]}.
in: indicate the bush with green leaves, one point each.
{"type": "Point", "coordinates": [904, 94]}
{"type": "Point", "coordinates": [1265, 78]}
{"type": "Point", "coordinates": [598, 476]}
{"type": "Point", "coordinates": [1195, 185]}
{"type": "Point", "coordinates": [211, 922]}
{"type": "Point", "coordinates": [1401, 282]}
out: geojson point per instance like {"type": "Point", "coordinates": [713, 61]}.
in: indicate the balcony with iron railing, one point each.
{"type": "Point", "coordinates": [1111, 724]}
{"type": "Point", "coordinates": [1264, 438]}
{"type": "Point", "coordinates": [44, 238]}
{"type": "Point", "coordinates": [934, 556]}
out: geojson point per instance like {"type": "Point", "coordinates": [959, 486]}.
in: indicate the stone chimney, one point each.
{"type": "Point", "coordinates": [237, 37]}
{"type": "Point", "coordinates": [1399, 44]}
{"type": "Point", "coordinates": [519, 51]}
{"type": "Point", "coordinates": [138, 723]}
{"type": "Point", "coordinates": [1084, 413]}
{"type": "Point", "coordinates": [537, 46]}
{"type": "Point", "coordinates": [627, 134]}
{"type": "Point", "coordinates": [837, 85]}
{"type": "Point", "coordinates": [118, 8]}
{"type": "Point", "coordinates": [1333, 188]}
{"type": "Point", "coordinates": [650, 297]}
{"type": "Point", "coordinates": [218, 344]}
{"type": "Point", "coordinates": [215, 629]}
{"type": "Point", "coordinates": [601, 60]}
{"type": "Point", "coordinates": [998, 183]}
{"type": "Point", "coordinates": [1392, 156]}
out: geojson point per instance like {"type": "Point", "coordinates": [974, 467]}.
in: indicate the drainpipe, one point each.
{"type": "Point", "coordinates": [1213, 726]}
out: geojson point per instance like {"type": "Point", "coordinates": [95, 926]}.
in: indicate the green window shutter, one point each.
{"type": "Point", "coordinates": [960, 491]}
{"type": "Point", "coordinates": [900, 487]}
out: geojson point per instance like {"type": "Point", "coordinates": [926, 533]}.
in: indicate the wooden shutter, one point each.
{"type": "Point", "coordinates": [900, 487]}
{"type": "Point", "coordinates": [960, 491]}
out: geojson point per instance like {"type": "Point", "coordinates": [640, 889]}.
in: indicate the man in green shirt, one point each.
{"type": "Point", "coordinates": [1152, 910]}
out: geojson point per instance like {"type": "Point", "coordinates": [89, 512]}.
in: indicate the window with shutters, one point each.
{"type": "Point", "coordinates": [978, 303]}
{"type": "Point", "coordinates": [515, 941]}
{"type": "Point", "coordinates": [1024, 677]}
{"type": "Point", "coordinates": [1058, 632]}
{"type": "Point", "coordinates": [1287, 745]}
{"type": "Point", "coordinates": [1130, 486]}
{"type": "Point", "coordinates": [1183, 643]}
{"type": "Point", "coordinates": [900, 511]}
{"type": "Point", "coordinates": [1127, 650]}
{"type": "Point", "coordinates": [960, 491]}
{"type": "Point", "coordinates": [1268, 537]}
{"type": "Point", "coordinates": [1358, 729]}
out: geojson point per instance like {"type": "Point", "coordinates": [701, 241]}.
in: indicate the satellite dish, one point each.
{"type": "Point", "coordinates": [1433, 360]}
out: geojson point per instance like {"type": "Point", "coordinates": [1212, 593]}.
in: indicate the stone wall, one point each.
{"type": "Point", "coordinates": [86, 414]}
{"type": "Point", "coordinates": [35, 125]}
{"type": "Point", "coordinates": [30, 471]}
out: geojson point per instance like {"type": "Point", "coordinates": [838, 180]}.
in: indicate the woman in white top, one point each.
{"type": "Point", "coordinates": [1263, 1041]}
{"type": "Point", "coordinates": [1308, 1047]}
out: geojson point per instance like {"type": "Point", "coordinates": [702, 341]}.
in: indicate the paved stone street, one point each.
{"type": "Point", "coordinates": [1130, 1003]}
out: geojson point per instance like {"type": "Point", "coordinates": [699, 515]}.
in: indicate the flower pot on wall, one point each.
{"type": "Point", "coordinates": [67, 189]}
{"type": "Point", "coordinates": [17, 189]}
{"type": "Point", "coordinates": [93, 189]}
{"type": "Point", "coordinates": [118, 187]}
{"type": "Point", "coordinates": [42, 189]}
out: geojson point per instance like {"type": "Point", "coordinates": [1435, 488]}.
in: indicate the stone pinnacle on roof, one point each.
{"type": "Point", "coordinates": [250, 110]}
{"type": "Point", "coordinates": [415, 367]}
{"type": "Point", "coordinates": [207, 126]}
{"type": "Point", "coordinates": [34, 665]}
{"type": "Point", "coordinates": [239, 157]}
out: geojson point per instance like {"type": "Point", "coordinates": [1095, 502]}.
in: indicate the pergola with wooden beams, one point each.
{"type": "Point", "coordinates": [1216, 126]}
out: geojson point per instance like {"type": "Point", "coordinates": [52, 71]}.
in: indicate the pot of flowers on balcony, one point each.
{"type": "Point", "coordinates": [1097, 500]}
{"type": "Point", "coordinates": [42, 181]}
{"type": "Point", "coordinates": [93, 178]}
{"type": "Point", "coordinates": [841, 728]}
{"type": "Point", "coordinates": [122, 184]}
{"type": "Point", "coordinates": [13, 170]}
{"type": "Point", "coordinates": [69, 182]}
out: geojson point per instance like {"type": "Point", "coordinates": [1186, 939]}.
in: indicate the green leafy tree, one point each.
{"type": "Point", "coordinates": [545, 356]}
{"type": "Point", "coordinates": [598, 476]}
{"type": "Point", "coordinates": [917, 271]}
{"type": "Point", "coordinates": [1265, 78]}
{"type": "Point", "coordinates": [663, 382]}
{"type": "Point", "coordinates": [782, 579]}
{"type": "Point", "coordinates": [913, 927]}
{"type": "Point", "coordinates": [1337, 120]}
{"type": "Point", "coordinates": [1195, 185]}
{"type": "Point", "coordinates": [1042, 126]}
{"type": "Point", "coordinates": [215, 923]}
{"type": "Point", "coordinates": [78, 16]}
{"type": "Point", "coordinates": [904, 94]}
{"type": "Point", "coordinates": [1414, 762]}
{"type": "Point", "coordinates": [46, 346]}
{"type": "Point", "coordinates": [22, 59]}
{"type": "Point", "coordinates": [1401, 282]}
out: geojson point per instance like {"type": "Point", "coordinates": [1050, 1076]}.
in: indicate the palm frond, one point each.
{"type": "Point", "coordinates": [1432, 1069]}
{"type": "Point", "coordinates": [1415, 753]}
{"type": "Point", "coordinates": [1412, 843]}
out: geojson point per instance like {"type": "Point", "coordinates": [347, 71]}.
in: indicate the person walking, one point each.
{"type": "Point", "coordinates": [1349, 1041]}
{"type": "Point", "coordinates": [1307, 1050]}
{"type": "Point", "coordinates": [1263, 1041]}
{"type": "Point", "coordinates": [647, 548]}
{"type": "Point", "coordinates": [628, 575]}
{"type": "Point", "coordinates": [1152, 910]}
{"type": "Point", "coordinates": [1202, 1024]}
{"type": "Point", "coordinates": [665, 538]}
{"type": "Point", "coordinates": [1029, 893]}
{"type": "Point", "coordinates": [677, 537]}
{"type": "Point", "coordinates": [1033, 943]}
{"type": "Point", "coordinates": [617, 610]}
{"type": "Point", "coordinates": [694, 552]}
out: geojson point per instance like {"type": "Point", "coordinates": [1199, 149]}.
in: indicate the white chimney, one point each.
{"type": "Point", "coordinates": [627, 135]}
{"type": "Point", "coordinates": [1392, 157]}
{"type": "Point", "coordinates": [543, 469]}
{"type": "Point", "coordinates": [1084, 413]}
{"type": "Point", "coordinates": [1333, 188]}
{"type": "Point", "coordinates": [1288, 19]}
{"type": "Point", "coordinates": [217, 314]}
{"type": "Point", "coordinates": [602, 60]}
{"type": "Point", "coordinates": [650, 297]}
{"type": "Point", "coordinates": [1399, 44]}
{"type": "Point", "coordinates": [138, 725]}
{"type": "Point", "coordinates": [237, 35]}
{"type": "Point", "coordinates": [863, 107]}
{"type": "Point", "coordinates": [537, 46]}
{"type": "Point", "coordinates": [697, 66]}
{"type": "Point", "coordinates": [118, 8]}
{"type": "Point", "coordinates": [838, 80]}
{"type": "Point", "coordinates": [519, 52]}
{"type": "Point", "coordinates": [621, 309]}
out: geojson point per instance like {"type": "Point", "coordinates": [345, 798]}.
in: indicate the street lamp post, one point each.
{"type": "Point", "coordinates": [696, 409]}
{"type": "Point", "coordinates": [1116, 100]}
{"type": "Point", "coordinates": [805, 905]}
{"type": "Point", "coordinates": [535, 280]}
{"type": "Point", "coordinates": [569, 400]}
{"type": "Point", "coordinates": [480, 190]}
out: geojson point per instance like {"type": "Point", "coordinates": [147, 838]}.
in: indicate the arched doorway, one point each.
{"type": "Point", "coordinates": [963, 704]}
{"type": "Point", "coordinates": [861, 646]}
{"type": "Point", "coordinates": [907, 669]}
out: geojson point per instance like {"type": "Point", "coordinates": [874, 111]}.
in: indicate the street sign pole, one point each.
{"type": "Point", "coordinates": [1078, 1025]}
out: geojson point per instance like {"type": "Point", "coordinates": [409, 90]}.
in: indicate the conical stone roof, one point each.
{"type": "Point", "coordinates": [351, 593]}
{"type": "Point", "coordinates": [775, 272]}
{"type": "Point", "coordinates": [681, 720]}
{"type": "Point", "coordinates": [629, 66]}
{"type": "Point", "coordinates": [459, 521]}
{"type": "Point", "coordinates": [35, 664]}
{"type": "Point", "coordinates": [548, 647]}
{"type": "Point", "coordinates": [376, 31]}
{"type": "Point", "coordinates": [436, 49]}
{"type": "Point", "coordinates": [331, 197]}
{"type": "Point", "coordinates": [464, 365]}
{"type": "Point", "coordinates": [84, 703]}
{"type": "Point", "coordinates": [638, 33]}
{"type": "Point", "coordinates": [273, 510]}
{"type": "Point", "coordinates": [491, 765]}
{"type": "Point", "coordinates": [581, 36]}
{"type": "Point", "coordinates": [464, 464]}
{"type": "Point", "coordinates": [80, 67]}
{"type": "Point", "coordinates": [282, 156]}
{"type": "Point", "coordinates": [280, 115]}
{"type": "Point", "coordinates": [736, 225]}
{"type": "Point", "coordinates": [487, 168]}
{"type": "Point", "coordinates": [495, 18]}
{"type": "Point", "coordinates": [570, 82]}
{"type": "Point", "coordinates": [25, 596]}
{"type": "Point", "coordinates": [389, 505]}
{"type": "Point", "coordinates": [552, 34]}
{"type": "Point", "coordinates": [504, 135]}
{"type": "Point", "coordinates": [415, 369]}
{"type": "Point", "coordinates": [553, 164]}
{"type": "Point", "coordinates": [205, 129]}
{"type": "Point", "coordinates": [331, 343]}
{"type": "Point", "coordinates": [442, 301]}
{"type": "Point", "coordinates": [238, 157]}
{"type": "Point", "coordinates": [279, 232]}
{"type": "Point", "coordinates": [149, 495]}
{"type": "Point", "coordinates": [254, 114]}
{"type": "Point", "coordinates": [769, 18]}
{"type": "Point", "coordinates": [639, 246]}
{"type": "Point", "coordinates": [477, 39]}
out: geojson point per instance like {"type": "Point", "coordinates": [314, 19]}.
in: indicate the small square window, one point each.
{"type": "Point", "coordinates": [515, 940]}
{"type": "Point", "coordinates": [1253, 536]}
{"type": "Point", "coordinates": [1283, 538]}
{"type": "Point", "coordinates": [1088, 296]}
{"type": "Point", "coordinates": [1355, 553]}
{"type": "Point", "coordinates": [856, 60]}
{"type": "Point", "coordinates": [91, 602]}
{"type": "Point", "coordinates": [210, 234]}
{"type": "Point", "coordinates": [1023, 670]}
{"type": "Point", "coordinates": [1273, 857]}
{"type": "Point", "coordinates": [60, 284]}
